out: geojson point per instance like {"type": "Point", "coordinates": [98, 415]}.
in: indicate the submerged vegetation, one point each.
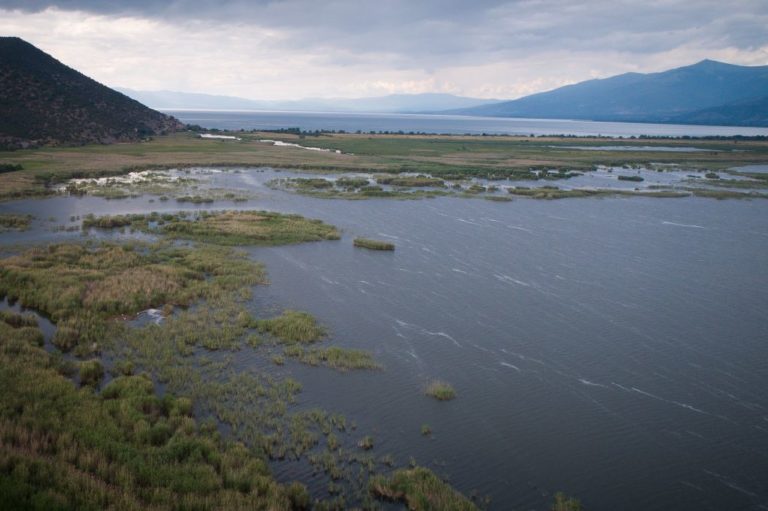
{"type": "Point", "coordinates": [373, 244]}
{"type": "Point", "coordinates": [10, 221]}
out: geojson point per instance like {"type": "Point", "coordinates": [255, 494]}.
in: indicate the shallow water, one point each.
{"type": "Point", "coordinates": [613, 349]}
{"type": "Point", "coordinates": [654, 149]}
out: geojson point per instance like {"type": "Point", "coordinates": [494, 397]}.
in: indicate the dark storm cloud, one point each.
{"type": "Point", "coordinates": [456, 28]}
{"type": "Point", "coordinates": [491, 48]}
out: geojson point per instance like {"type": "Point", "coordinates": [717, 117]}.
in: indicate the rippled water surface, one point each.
{"type": "Point", "coordinates": [614, 349]}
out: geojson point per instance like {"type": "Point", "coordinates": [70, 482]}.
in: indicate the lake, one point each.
{"type": "Point", "coordinates": [445, 124]}
{"type": "Point", "coordinates": [614, 349]}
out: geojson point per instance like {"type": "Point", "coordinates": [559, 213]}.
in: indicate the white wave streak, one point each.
{"type": "Point", "coordinates": [591, 383]}
{"type": "Point", "coordinates": [443, 334]}
{"type": "Point", "coordinates": [510, 280]}
{"type": "Point", "coordinates": [692, 226]}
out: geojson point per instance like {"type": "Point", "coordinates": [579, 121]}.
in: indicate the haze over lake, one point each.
{"type": "Point", "coordinates": [449, 124]}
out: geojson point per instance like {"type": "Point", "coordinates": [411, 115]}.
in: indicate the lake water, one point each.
{"type": "Point", "coordinates": [613, 349]}
{"type": "Point", "coordinates": [445, 124]}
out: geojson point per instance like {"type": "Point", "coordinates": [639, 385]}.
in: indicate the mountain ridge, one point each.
{"type": "Point", "coordinates": [667, 96]}
{"type": "Point", "coordinates": [45, 102]}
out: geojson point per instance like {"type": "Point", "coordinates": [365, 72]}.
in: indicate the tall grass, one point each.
{"type": "Point", "coordinates": [373, 244]}
{"type": "Point", "coordinates": [337, 358]}
{"type": "Point", "coordinates": [420, 490]}
{"type": "Point", "coordinates": [440, 390]}
{"type": "Point", "coordinates": [292, 326]}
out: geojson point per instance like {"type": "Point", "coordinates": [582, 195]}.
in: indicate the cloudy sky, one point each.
{"type": "Point", "coordinates": [290, 49]}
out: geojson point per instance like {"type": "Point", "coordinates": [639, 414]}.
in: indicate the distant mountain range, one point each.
{"type": "Point", "coordinates": [705, 93]}
{"type": "Point", "coordinates": [42, 101]}
{"type": "Point", "coordinates": [709, 92]}
{"type": "Point", "coordinates": [393, 103]}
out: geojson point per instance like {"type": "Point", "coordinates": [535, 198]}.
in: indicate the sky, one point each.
{"type": "Point", "coordinates": [293, 49]}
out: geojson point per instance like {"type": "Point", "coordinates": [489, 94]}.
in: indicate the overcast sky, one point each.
{"type": "Point", "coordinates": [291, 49]}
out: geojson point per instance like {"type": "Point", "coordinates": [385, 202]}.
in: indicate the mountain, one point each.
{"type": "Point", "coordinates": [670, 96]}
{"type": "Point", "coordinates": [752, 112]}
{"type": "Point", "coordinates": [44, 102]}
{"type": "Point", "coordinates": [394, 103]}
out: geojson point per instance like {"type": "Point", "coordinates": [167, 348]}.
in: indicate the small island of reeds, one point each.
{"type": "Point", "coordinates": [440, 390]}
{"type": "Point", "coordinates": [373, 244]}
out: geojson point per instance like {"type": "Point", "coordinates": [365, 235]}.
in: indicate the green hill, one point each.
{"type": "Point", "coordinates": [44, 102]}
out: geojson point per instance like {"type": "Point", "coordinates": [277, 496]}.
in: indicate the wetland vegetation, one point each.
{"type": "Point", "coordinates": [373, 244]}
{"type": "Point", "coordinates": [115, 413]}
{"type": "Point", "coordinates": [114, 441]}
{"type": "Point", "coordinates": [438, 157]}
{"type": "Point", "coordinates": [9, 221]}
{"type": "Point", "coordinates": [223, 227]}
{"type": "Point", "coordinates": [420, 490]}
{"type": "Point", "coordinates": [440, 390]}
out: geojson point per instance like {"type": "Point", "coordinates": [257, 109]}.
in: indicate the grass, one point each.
{"type": "Point", "coordinates": [410, 181]}
{"type": "Point", "coordinates": [224, 227]}
{"type": "Point", "coordinates": [565, 503]}
{"type": "Point", "coordinates": [440, 390]}
{"type": "Point", "coordinates": [334, 357]}
{"type": "Point", "coordinates": [121, 448]}
{"type": "Point", "coordinates": [420, 490]}
{"type": "Point", "coordinates": [81, 288]}
{"type": "Point", "coordinates": [366, 443]}
{"type": "Point", "coordinates": [292, 327]}
{"type": "Point", "coordinates": [22, 327]}
{"type": "Point", "coordinates": [91, 372]}
{"type": "Point", "coordinates": [373, 244]}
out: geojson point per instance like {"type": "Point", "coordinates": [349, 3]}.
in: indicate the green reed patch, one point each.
{"type": "Point", "coordinates": [440, 390]}
{"type": "Point", "coordinates": [334, 357]}
{"type": "Point", "coordinates": [82, 287]}
{"type": "Point", "coordinates": [373, 244]}
{"type": "Point", "coordinates": [123, 448]}
{"type": "Point", "coordinates": [292, 327]}
{"type": "Point", "coordinates": [420, 490]}
{"type": "Point", "coordinates": [224, 227]}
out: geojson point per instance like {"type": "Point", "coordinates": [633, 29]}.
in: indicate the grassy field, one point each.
{"type": "Point", "coordinates": [441, 156]}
